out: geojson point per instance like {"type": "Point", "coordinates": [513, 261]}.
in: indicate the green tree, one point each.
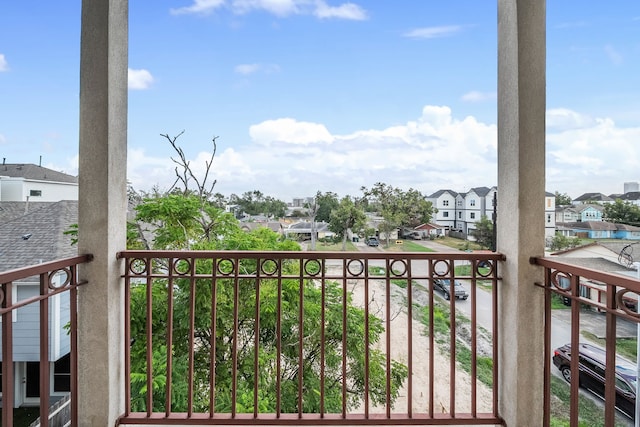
{"type": "Point", "coordinates": [622, 212]}
{"type": "Point", "coordinates": [326, 203]}
{"type": "Point", "coordinates": [397, 208]}
{"type": "Point", "coordinates": [562, 199]}
{"type": "Point", "coordinates": [348, 215]}
{"type": "Point", "coordinates": [483, 233]}
{"type": "Point", "coordinates": [187, 219]}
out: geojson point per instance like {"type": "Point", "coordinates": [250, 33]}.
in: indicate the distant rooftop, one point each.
{"type": "Point", "coordinates": [35, 172]}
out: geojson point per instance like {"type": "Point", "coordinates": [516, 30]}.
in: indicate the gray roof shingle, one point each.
{"type": "Point", "coordinates": [35, 172]}
{"type": "Point", "coordinates": [46, 242]}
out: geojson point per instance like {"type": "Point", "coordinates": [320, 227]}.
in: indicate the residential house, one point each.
{"type": "Point", "coordinates": [20, 182]}
{"type": "Point", "coordinates": [592, 198]}
{"type": "Point", "coordinates": [33, 238]}
{"type": "Point", "coordinates": [477, 203]}
{"type": "Point", "coordinates": [606, 257]}
{"type": "Point", "coordinates": [431, 230]}
{"type": "Point", "coordinates": [579, 213]}
{"type": "Point", "coordinates": [549, 214]}
{"type": "Point", "coordinates": [445, 208]}
{"type": "Point", "coordinates": [631, 197]}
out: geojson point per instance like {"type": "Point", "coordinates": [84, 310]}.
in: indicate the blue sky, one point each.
{"type": "Point", "coordinates": [328, 95]}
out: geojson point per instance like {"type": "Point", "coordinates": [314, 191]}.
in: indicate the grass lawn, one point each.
{"type": "Point", "coordinates": [459, 244]}
{"type": "Point", "coordinates": [408, 246]}
{"type": "Point", "coordinates": [335, 247]}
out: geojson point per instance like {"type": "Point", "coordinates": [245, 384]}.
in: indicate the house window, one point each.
{"type": "Point", "coordinates": [459, 215]}
{"type": "Point", "coordinates": [548, 218]}
{"type": "Point", "coordinates": [472, 215]}
{"type": "Point", "coordinates": [445, 203]}
{"type": "Point", "coordinates": [460, 203]}
{"type": "Point", "coordinates": [472, 202]}
{"type": "Point", "coordinates": [62, 374]}
{"type": "Point", "coordinates": [445, 214]}
{"type": "Point", "coordinates": [35, 193]}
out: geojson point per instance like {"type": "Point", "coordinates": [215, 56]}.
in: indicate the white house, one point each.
{"type": "Point", "coordinates": [27, 182]}
{"type": "Point", "coordinates": [444, 203]}
{"type": "Point", "coordinates": [30, 239]}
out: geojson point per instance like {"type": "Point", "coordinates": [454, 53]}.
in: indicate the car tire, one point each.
{"type": "Point", "coordinates": [446, 296]}
{"type": "Point", "coordinates": [566, 373]}
{"type": "Point", "coordinates": [464, 298]}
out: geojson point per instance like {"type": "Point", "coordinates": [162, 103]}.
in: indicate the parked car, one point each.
{"type": "Point", "coordinates": [372, 241]}
{"type": "Point", "coordinates": [444, 285]}
{"type": "Point", "coordinates": [591, 368]}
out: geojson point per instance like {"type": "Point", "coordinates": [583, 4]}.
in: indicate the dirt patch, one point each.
{"type": "Point", "coordinates": [400, 330]}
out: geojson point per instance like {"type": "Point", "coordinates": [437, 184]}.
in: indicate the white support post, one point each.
{"type": "Point", "coordinates": [521, 214]}
{"type": "Point", "coordinates": [102, 209]}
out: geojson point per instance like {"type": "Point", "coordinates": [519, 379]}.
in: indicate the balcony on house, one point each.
{"type": "Point", "coordinates": [291, 338]}
{"type": "Point", "coordinates": [521, 281]}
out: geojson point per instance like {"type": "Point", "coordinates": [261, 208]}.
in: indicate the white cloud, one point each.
{"type": "Point", "coordinates": [590, 155]}
{"type": "Point", "coordinates": [199, 6]}
{"type": "Point", "coordinates": [433, 32]}
{"type": "Point", "coordinates": [560, 119]}
{"type": "Point", "coordinates": [279, 8]}
{"type": "Point", "coordinates": [289, 131]}
{"type": "Point", "coordinates": [4, 65]}
{"type": "Point", "coordinates": [247, 69]}
{"type": "Point", "coordinates": [477, 96]}
{"type": "Point", "coordinates": [344, 11]}
{"type": "Point", "coordinates": [140, 79]}
{"type": "Point", "coordinates": [614, 56]}
{"type": "Point", "coordinates": [286, 157]}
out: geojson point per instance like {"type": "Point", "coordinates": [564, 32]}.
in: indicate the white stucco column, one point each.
{"type": "Point", "coordinates": [521, 214]}
{"type": "Point", "coordinates": [102, 209]}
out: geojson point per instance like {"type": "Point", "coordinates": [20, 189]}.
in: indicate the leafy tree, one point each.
{"type": "Point", "coordinates": [326, 202]}
{"type": "Point", "coordinates": [348, 215]}
{"type": "Point", "coordinates": [622, 212]}
{"type": "Point", "coordinates": [560, 241]}
{"type": "Point", "coordinates": [398, 208]}
{"type": "Point", "coordinates": [256, 203]}
{"type": "Point", "coordinates": [483, 233]}
{"type": "Point", "coordinates": [189, 220]}
{"type": "Point", "coordinates": [562, 199]}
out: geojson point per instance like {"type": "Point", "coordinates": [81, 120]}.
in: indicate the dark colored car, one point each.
{"type": "Point", "coordinates": [372, 241]}
{"type": "Point", "coordinates": [444, 286]}
{"type": "Point", "coordinates": [591, 369]}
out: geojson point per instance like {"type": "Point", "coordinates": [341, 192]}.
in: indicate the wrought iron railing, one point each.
{"type": "Point", "coordinates": [310, 338]}
{"type": "Point", "coordinates": [588, 291]}
{"type": "Point", "coordinates": [53, 278]}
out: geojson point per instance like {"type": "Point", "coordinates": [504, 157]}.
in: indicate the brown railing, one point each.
{"type": "Point", "coordinates": [310, 338]}
{"type": "Point", "coordinates": [588, 291]}
{"type": "Point", "coordinates": [53, 278]}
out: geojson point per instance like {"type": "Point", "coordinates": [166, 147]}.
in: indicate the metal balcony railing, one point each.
{"type": "Point", "coordinates": [589, 291]}
{"type": "Point", "coordinates": [54, 278]}
{"type": "Point", "coordinates": [294, 338]}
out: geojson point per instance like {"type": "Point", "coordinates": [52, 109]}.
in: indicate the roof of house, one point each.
{"type": "Point", "coordinates": [38, 236]}
{"type": "Point", "coordinates": [441, 192]}
{"type": "Point", "coordinates": [35, 172]}
{"type": "Point", "coordinates": [599, 264]}
{"type": "Point", "coordinates": [13, 210]}
{"type": "Point", "coordinates": [596, 197]}
{"type": "Point", "coordinates": [429, 227]}
{"type": "Point", "coordinates": [272, 225]}
{"type": "Point", "coordinates": [480, 191]}
{"type": "Point", "coordinates": [631, 195]}
{"type": "Point", "coordinates": [592, 225]}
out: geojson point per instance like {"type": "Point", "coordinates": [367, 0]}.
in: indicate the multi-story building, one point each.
{"type": "Point", "coordinates": [21, 182]}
